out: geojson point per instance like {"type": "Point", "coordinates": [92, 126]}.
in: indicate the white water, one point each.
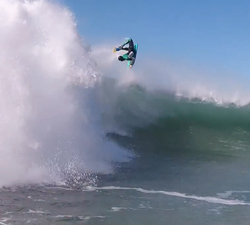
{"type": "Point", "coordinates": [49, 123]}
{"type": "Point", "coordinates": [209, 199]}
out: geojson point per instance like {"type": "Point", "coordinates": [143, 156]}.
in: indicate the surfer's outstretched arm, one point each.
{"type": "Point", "coordinates": [130, 42]}
{"type": "Point", "coordinates": [129, 48]}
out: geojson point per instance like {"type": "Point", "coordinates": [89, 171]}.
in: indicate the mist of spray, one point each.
{"type": "Point", "coordinates": [49, 121]}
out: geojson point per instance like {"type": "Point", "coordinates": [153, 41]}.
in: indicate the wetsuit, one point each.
{"type": "Point", "coordinates": [130, 55]}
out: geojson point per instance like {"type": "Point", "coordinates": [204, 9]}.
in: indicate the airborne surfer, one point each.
{"type": "Point", "coordinates": [131, 52]}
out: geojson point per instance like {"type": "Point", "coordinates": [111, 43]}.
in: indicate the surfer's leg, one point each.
{"type": "Point", "coordinates": [132, 61]}
{"type": "Point", "coordinates": [125, 56]}
{"type": "Point", "coordinates": [131, 55]}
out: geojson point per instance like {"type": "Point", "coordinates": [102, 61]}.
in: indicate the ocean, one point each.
{"type": "Point", "coordinates": [84, 140]}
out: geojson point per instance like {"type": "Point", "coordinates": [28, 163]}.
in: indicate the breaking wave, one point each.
{"type": "Point", "coordinates": [49, 120]}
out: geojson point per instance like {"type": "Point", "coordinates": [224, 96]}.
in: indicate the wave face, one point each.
{"type": "Point", "coordinates": [138, 107]}
{"type": "Point", "coordinates": [49, 122]}
{"type": "Point", "coordinates": [156, 120]}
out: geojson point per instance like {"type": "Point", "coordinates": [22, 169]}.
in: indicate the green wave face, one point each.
{"type": "Point", "coordinates": [138, 108]}
{"type": "Point", "coordinates": [165, 122]}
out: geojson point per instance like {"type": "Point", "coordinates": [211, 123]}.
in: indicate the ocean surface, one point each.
{"type": "Point", "coordinates": [84, 140]}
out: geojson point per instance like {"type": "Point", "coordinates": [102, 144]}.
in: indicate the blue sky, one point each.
{"type": "Point", "coordinates": [214, 33]}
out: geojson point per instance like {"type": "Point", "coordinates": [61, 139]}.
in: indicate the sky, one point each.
{"type": "Point", "coordinates": [213, 33]}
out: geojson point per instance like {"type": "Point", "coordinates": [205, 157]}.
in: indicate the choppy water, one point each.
{"type": "Point", "coordinates": [184, 187]}
{"type": "Point", "coordinates": [166, 183]}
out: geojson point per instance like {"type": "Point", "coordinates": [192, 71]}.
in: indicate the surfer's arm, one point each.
{"type": "Point", "coordinates": [127, 42]}
{"type": "Point", "coordinates": [121, 47]}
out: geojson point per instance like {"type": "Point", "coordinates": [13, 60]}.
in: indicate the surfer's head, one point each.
{"type": "Point", "coordinates": [120, 58]}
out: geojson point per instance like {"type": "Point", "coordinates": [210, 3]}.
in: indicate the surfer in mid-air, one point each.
{"type": "Point", "coordinates": [131, 52]}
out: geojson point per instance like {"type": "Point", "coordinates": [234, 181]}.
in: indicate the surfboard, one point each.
{"type": "Point", "coordinates": [136, 50]}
